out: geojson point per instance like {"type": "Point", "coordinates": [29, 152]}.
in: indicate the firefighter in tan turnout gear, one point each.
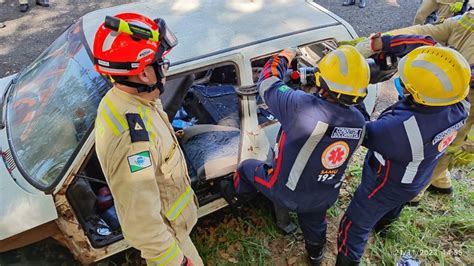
{"type": "Point", "coordinates": [136, 146]}
{"type": "Point", "coordinates": [445, 9]}
{"type": "Point", "coordinates": [458, 33]}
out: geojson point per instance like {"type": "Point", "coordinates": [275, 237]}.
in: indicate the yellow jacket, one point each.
{"type": "Point", "coordinates": [455, 33]}
{"type": "Point", "coordinates": [146, 171]}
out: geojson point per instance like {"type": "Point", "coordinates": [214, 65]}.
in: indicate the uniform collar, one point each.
{"type": "Point", "coordinates": [408, 104]}
{"type": "Point", "coordinates": [135, 99]}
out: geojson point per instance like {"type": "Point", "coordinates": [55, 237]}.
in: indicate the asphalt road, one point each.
{"type": "Point", "coordinates": [26, 35]}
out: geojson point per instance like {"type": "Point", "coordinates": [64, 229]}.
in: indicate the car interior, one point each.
{"type": "Point", "coordinates": [203, 107]}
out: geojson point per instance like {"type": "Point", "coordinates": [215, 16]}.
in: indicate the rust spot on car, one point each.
{"type": "Point", "coordinates": [83, 245]}
{"type": "Point", "coordinates": [66, 213]}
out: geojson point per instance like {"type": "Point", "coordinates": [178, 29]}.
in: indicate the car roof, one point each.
{"type": "Point", "coordinates": [207, 27]}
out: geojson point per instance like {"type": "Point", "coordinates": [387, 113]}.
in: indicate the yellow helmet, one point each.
{"type": "Point", "coordinates": [345, 71]}
{"type": "Point", "coordinates": [435, 76]}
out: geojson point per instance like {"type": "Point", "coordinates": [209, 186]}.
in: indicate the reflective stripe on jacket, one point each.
{"type": "Point", "coordinates": [147, 174]}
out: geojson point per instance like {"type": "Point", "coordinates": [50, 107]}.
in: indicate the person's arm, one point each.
{"type": "Point", "coordinates": [398, 45]}
{"type": "Point", "coordinates": [131, 174]}
{"type": "Point", "coordinates": [439, 32]}
{"type": "Point", "coordinates": [379, 136]}
{"type": "Point", "coordinates": [281, 99]}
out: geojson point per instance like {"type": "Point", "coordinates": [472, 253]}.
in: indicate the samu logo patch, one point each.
{"type": "Point", "coordinates": [335, 155]}
{"type": "Point", "coordinates": [139, 161]}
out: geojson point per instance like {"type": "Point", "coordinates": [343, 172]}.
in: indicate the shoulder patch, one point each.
{"type": "Point", "coordinates": [443, 134]}
{"type": "Point", "coordinates": [139, 161]}
{"type": "Point", "coordinates": [346, 133]}
{"type": "Point", "coordinates": [283, 88]}
{"type": "Point", "coordinates": [137, 128]}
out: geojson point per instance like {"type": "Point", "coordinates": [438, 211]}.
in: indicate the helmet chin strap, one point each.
{"type": "Point", "coordinates": [148, 88]}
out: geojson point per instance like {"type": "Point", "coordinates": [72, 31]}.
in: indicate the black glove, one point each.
{"type": "Point", "coordinates": [382, 67]}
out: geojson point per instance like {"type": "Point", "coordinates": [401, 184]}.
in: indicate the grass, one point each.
{"type": "Point", "coordinates": [242, 240]}
{"type": "Point", "coordinates": [440, 231]}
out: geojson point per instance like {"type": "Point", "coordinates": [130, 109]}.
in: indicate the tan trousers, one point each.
{"type": "Point", "coordinates": [429, 6]}
{"type": "Point", "coordinates": [190, 251]}
{"type": "Point", "coordinates": [441, 177]}
{"type": "Point", "coordinates": [186, 245]}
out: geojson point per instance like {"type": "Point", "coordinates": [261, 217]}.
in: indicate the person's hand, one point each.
{"type": "Point", "coordinates": [371, 45]}
{"type": "Point", "coordinates": [460, 157]}
{"type": "Point", "coordinates": [186, 262]}
{"type": "Point", "coordinates": [290, 53]}
{"type": "Point", "coordinates": [455, 7]}
{"type": "Point", "coordinates": [352, 42]}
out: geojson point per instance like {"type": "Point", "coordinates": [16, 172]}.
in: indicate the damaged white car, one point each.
{"type": "Point", "coordinates": [51, 183]}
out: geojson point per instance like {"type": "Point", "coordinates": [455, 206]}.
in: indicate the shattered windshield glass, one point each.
{"type": "Point", "coordinates": [52, 106]}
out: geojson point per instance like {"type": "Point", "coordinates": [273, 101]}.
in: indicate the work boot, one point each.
{"type": "Point", "coordinates": [228, 191]}
{"type": "Point", "coordinates": [412, 204]}
{"type": "Point", "coordinates": [43, 3]}
{"type": "Point", "coordinates": [438, 190]}
{"type": "Point", "coordinates": [382, 227]}
{"type": "Point", "coordinates": [345, 261]}
{"type": "Point", "coordinates": [24, 8]}
{"type": "Point", "coordinates": [348, 2]}
{"type": "Point", "coordinates": [315, 252]}
{"type": "Point", "coordinates": [362, 3]}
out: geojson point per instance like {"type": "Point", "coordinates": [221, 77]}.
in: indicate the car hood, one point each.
{"type": "Point", "coordinates": [206, 27]}
{"type": "Point", "coordinates": [22, 206]}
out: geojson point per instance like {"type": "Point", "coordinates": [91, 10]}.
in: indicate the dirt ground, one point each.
{"type": "Point", "coordinates": [26, 35]}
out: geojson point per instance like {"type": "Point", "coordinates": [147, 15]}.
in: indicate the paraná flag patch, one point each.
{"type": "Point", "coordinates": [139, 161]}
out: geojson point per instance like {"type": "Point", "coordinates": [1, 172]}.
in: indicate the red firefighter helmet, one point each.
{"type": "Point", "coordinates": [126, 43]}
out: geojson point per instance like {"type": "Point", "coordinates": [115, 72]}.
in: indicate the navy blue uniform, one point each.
{"type": "Point", "coordinates": [404, 144]}
{"type": "Point", "coordinates": [315, 144]}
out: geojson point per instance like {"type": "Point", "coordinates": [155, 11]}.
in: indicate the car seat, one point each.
{"type": "Point", "coordinates": [212, 150]}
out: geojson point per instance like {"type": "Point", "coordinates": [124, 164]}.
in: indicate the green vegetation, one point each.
{"type": "Point", "coordinates": [440, 231]}
{"type": "Point", "coordinates": [243, 240]}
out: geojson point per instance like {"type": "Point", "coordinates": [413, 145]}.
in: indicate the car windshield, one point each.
{"type": "Point", "coordinates": [52, 106]}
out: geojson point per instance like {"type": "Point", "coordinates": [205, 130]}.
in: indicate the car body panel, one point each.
{"type": "Point", "coordinates": [22, 206]}
{"type": "Point", "coordinates": [20, 209]}
{"type": "Point", "coordinates": [234, 23]}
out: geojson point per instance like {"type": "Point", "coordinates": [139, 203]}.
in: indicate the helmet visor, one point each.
{"type": "Point", "coordinates": [167, 38]}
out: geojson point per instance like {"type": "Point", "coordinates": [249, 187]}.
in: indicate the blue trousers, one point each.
{"type": "Point", "coordinates": [254, 176]}
{"type": "Point", "coordinates": [372, 206]}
